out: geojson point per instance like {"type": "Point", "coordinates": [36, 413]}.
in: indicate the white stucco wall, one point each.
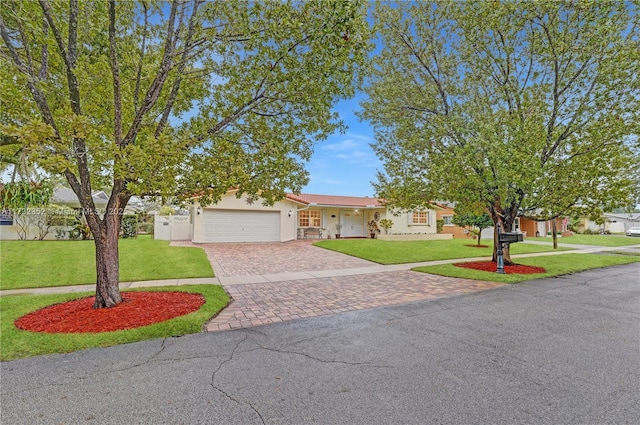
{"type": "Point", "coordinates": [288, 226]}
{"type": "Point", "coordinates": [10, 233]}
{"type": "Point", "coordinates": [403, 225]}
{"type": "Point", "coordinates": [335, 215]}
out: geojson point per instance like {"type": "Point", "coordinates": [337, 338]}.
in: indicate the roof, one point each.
{"type": "Point", "coordinates": [66, 195]}
{"type": "Point", "coordinates": [336, 201]}
{"type": "Point", "coordinates": [624, 216]}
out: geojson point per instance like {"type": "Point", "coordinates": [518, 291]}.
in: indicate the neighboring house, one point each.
{"type": "Point", "coordinates": [66, 197]}
{"type": "Point", "coordinates": [61, 196]}
{"type": "Point", "coordinates": [620, 222]}
{"type": "Point", "coordinates": [523, 225]}
{"type": "Point", "coordinates": [445, 213]}
{"type": "Point", "coordinates": [539, 228]}
{"type": "Point", "coordinates": [610, 222]}
{"type": "Point", "coordinates": [243, 219]}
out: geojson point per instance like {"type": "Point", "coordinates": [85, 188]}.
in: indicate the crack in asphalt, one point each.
{"type": "Point", "coordinates": [223, 392]}
{"type": "Point", "coordinates": [94, 374]}
{"type": "Point", "coordinates": [235, 349]}
{"type": "Point", "coordinates": [323, 360]}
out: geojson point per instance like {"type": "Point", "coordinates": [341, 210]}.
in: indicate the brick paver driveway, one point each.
{"type": "Point", "coordinates": [245, 259]}
{"type": "Point", "coordinates": [350, 283]}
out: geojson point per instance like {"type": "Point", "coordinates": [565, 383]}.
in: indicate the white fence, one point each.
{"type": "Point", "coordinates": [172, 227]}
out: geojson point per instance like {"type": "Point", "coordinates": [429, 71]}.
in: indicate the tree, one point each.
{"type": "Point", "coordinates": [180, 98]}
{"type": "Point", "coordinates": [526, 107]}
{"type": "Point", "coordinates": [475, 222]}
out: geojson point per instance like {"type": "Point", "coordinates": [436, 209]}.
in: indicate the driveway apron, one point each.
{"type": "Point", "coordinates": [276, 282]}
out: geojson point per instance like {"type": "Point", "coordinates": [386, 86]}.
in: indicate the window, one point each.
{"type": "Point", "coordinates": [310, 218]}
{"type": "Point", "coordinates": [420, 217]}
{"type": "Point", "coordinates": [448, 220]}
{"type": "Point", "coordinates": [516, 225]}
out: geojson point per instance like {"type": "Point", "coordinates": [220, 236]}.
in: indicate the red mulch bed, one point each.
{"type": "Point", "coordinates": [478, 246]}
{"type": "Point", "coordinates": [489, 266]}
{"type": "Point", "coordinates": [136, 309]}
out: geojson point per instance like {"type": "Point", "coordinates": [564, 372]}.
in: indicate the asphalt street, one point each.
{"type": "Point", "coordinates": [552, 351]}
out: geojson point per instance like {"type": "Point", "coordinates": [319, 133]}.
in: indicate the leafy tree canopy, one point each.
{"type": "Point", "coordinates": [181, 97]}
{"type": "Point", "coordinates": [474, 222]}
{"type": "Point", "coordinates": [526, 107]}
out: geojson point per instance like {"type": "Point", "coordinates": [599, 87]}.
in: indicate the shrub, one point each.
{"type": "Point", "coordinates": [167, 210]}
{"type": "Point", "coordinates": [129, 226]}
{"type": "Point", "coordinates": [80, 231]}
{"type": "Point", "coordinates": [386, 224]}
{"type": "Point", "coordinates": [146, 228]}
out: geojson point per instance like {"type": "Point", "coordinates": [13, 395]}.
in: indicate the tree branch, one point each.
{"type": "Point", "coordinates": [38, 96]}
{"type": "Point", "coordinates": [136, 91]}
{"type": "Point", "coordinates": [69, 57]}
{"type": "Point", "coordinates": [180, 71]}
{"type": "Point", "coordinates": [115, 72]}
{"type": "Point", "coordinates": [155, 88]}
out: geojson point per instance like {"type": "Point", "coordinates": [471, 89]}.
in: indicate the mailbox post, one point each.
{"type": "Point", "coordinates": [500, 268]}
{"type": "Point", "coordinates": [505, 238]}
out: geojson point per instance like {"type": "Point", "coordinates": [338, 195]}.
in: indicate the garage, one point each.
{"type": "Point", "coordinates": [240, 226]}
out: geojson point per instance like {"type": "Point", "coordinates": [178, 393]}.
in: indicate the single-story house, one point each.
{"type": "Point", "coordinates": [539, 228]}
{"type": "Point", "coordinates": [621, 222]}
{"type": "Point", "coordinates": [526, 226]}
{"type": "Point", "coordinates": [65, 197]}
{"type": "Point", "coordinates": [240, 218]}
{"type": "Point", "coordinates": [62, 197]}
{"type": "Point", "coordinates": [445, 213]}
{"type": "Point", "coordinates": [609, 222]}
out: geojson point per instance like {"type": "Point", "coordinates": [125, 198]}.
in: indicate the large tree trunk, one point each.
{"type": "Point", "coordinates": [107, 262]}
{"type": "Point", "coordinates": [105, 231]}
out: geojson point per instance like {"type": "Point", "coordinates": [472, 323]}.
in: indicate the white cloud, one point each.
{"type": "Point", "coordinates": [343, 145]}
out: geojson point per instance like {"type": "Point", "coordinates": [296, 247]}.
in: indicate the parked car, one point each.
{"type": "Point", "coordinates": [633, 231]}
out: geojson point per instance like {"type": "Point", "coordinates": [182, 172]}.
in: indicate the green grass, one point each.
{"type": "Point", "coordinates": [599, 240]}
{"type": "Point", "coordinates": [37, 264]}
{"type": "Point", "coordinates": [555, 265]}
{"type": "Point", "coordinates": [398, 252]}
{"type": "Point", "coordinates": [16, 343]}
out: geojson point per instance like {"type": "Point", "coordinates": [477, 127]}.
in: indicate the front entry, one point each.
{"type": "Point", "coordinates": [352, 224]}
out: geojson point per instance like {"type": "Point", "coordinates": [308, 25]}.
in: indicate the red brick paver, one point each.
{"type": "Point", "coordinates": [271, 258]}
{"type": "Point", "coordinates": [263, 303]}
{"type": "Point", "coordinates": [269, 301]}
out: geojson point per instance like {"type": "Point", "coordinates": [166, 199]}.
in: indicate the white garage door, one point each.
{"type": "Point", "coordinates": [241, 226]}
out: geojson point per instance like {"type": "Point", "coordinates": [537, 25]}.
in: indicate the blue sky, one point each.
{"type": "Point", "coordinates": [345, 164]}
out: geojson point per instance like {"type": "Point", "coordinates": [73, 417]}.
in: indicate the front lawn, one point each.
{"type": "Point", "coordinates": [17, 343]}
{"type": "Point", "coordinates": [556, 265]}
{"type": "Point", "coordinates": [399, 252]}
{"type": "Point", "coordinates": [36, 264]}
{"type": "Point", "coordinates": [598, 240]}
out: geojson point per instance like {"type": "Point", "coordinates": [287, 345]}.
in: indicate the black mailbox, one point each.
{"type": "Point", "coordinates": [510, 237]}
